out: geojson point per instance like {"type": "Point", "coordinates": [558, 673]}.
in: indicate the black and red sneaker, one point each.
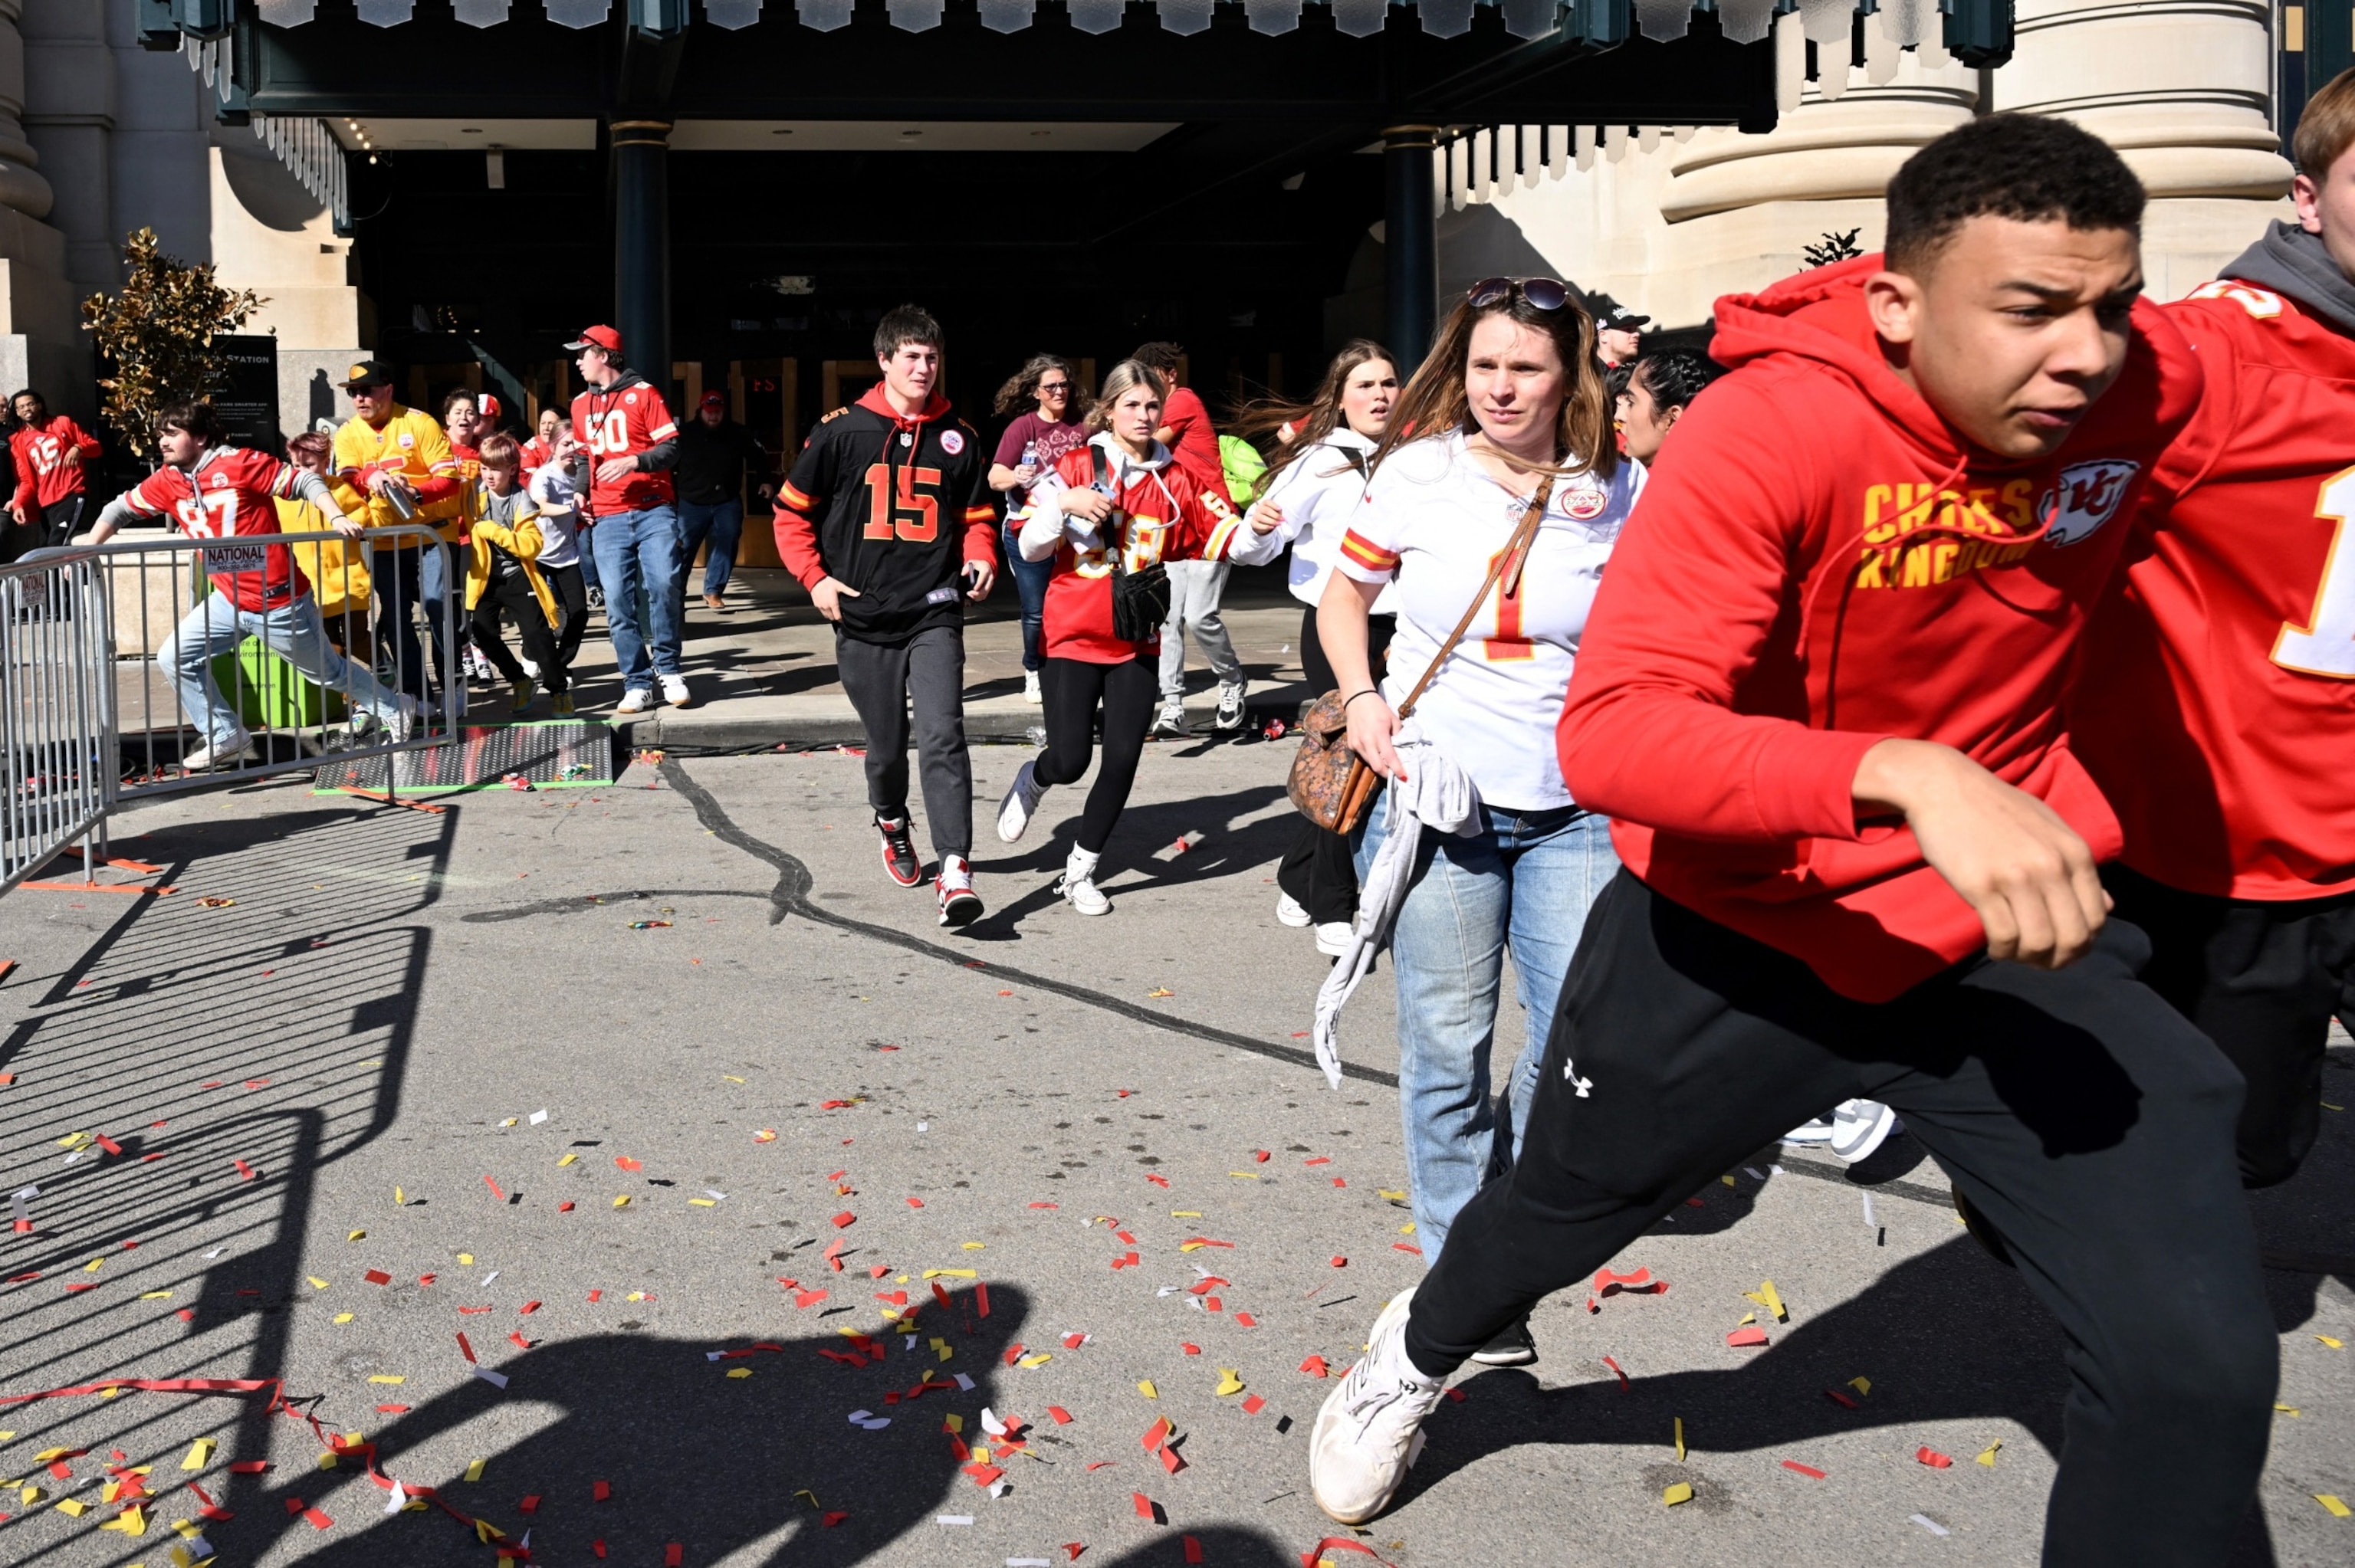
{"type": "Point", "coordinates": [960, 904]}
{"type": "Point", "coordinates": [899, 862]}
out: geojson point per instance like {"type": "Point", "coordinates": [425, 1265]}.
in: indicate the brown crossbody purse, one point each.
{"type": "Point", "coordinates": [1330, 783]}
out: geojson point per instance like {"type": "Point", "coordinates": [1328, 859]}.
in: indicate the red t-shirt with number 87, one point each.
{"type": "Point", "coordinates": [230, 492]}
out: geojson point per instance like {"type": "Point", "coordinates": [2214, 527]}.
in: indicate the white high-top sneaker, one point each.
{"type": "Point", "coordinates": [1370, 1429]}
{"type": "Point", "coordinates": [1021, 800]}
{"type": "Point", "coordinates": [1078, 883]}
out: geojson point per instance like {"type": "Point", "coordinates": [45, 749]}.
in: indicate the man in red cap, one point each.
{"type": "Point", "coordinates": [632, 523]}
{"type": "Point", "coordinates": [714, 451]}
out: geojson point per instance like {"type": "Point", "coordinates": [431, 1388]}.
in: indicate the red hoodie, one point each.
{"type": "Point", "coordinates": [43, 476]}
{"type": "Point", "coordinates": [1819, 564]}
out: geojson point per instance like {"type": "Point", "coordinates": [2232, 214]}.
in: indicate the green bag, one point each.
{"type": "Point", "coordinates": [1243, 466]}
{"type": "Point", "coordinates": [268, 692]}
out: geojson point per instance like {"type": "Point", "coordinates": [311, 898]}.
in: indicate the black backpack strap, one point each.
{"type": "Point", "coordinates": [1102, 464]}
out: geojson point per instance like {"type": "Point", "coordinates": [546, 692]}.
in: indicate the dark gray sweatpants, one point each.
{"type": "Point", "coordinates": [881, 681]}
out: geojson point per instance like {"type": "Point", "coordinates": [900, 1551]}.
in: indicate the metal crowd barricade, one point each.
{"type": "Point", "coordinates": [119, 662]}
{"type": "Point", "coordinates": [56, 692]}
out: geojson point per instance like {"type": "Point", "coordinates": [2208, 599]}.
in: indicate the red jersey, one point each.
{"type": "Point", "coordinates": [1819, 564]}
{"type": "Point", "coordinates": [2216, 707]}
{"type": "Point", "coordinates": [232, 491]}
{"type": "Point", "coordinates": [537, 454]}
{"type": "Point", "coordinates": [624, 421]}
{"type": "Point", "coordinates": [1194, 443]}
{"type": "Point", "coordinates": [43, 476]}
{"type": "Point", "coordinates": [1162, 516]}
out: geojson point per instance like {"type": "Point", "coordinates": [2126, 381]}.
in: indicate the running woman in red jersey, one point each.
{"type": "Point", "coordinates": [2217, 710]}
{"type": "Point", "coordinates": [1821, 692]}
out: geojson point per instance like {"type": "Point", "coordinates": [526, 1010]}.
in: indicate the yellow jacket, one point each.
{"type": "Point", "coordinates": [338, 577]}
{"type": "Point", "coordinates": [521, 539]}
{"type": "Point", "coordinates": [411, 444]}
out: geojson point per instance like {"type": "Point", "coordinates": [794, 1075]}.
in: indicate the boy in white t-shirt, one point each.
{"type": "Point", "coordinates": [552, 490]}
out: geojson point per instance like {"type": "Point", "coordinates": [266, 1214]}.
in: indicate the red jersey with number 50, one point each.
{"type": "Point", "coordinates": [2217, 704]}
{"type": "Point", "coordinates": [231, 492]}
{"type": "Point", "coordinates": [623, 421]}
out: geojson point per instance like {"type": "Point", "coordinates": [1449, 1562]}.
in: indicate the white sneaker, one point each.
{"type": "Point", "coordinates": [531, 670]}
{"type": "Point", "coordinates": [1370, 1428]}
{"type": "Point", "coordinates": [226, 754]}
{"type": "Point", "coordinates": [960, 904]}
{"type": "Point", "coordinates": [636, 700]}
{"type": "Point", "coordinates": [1333, 938]}
{"type": "Point", "coordinates": [403, 722]}
{"type": "Point", "coordinates": [1021, 800]}
{"type": "Point", "coordinates": [1860, 1127]}
{"type": "Point", "coordinates": [1078, 885]}
{"type": "Point", "coordinates": [1231, 705]}
{"type": "Point", "coordinates": [1290, 911]}
{"type": "Point", "coordinates": [1817, 1131]}
{"type": "Point", "coordinates": [675, 690]}
{"type": "Point", "coordinates": [1172, 722]}
{"type": "Point", "coordinates": [1031, 692]}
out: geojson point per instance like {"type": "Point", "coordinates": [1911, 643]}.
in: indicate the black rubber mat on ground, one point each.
{"type": "Point", "coordinates": [556, 754]}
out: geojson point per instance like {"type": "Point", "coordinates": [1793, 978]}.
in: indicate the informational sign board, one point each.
{"type": "Point", "coordinates": [246, 401]}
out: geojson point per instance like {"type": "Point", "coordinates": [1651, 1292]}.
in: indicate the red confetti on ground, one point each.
{"type": "Point", "coordinates": [1808, 1470]}
{"type": "Point", "coordinates": [565, 1207]}
{"type": "Point", "coordinates": [675, 1554]}
{"type": "Point", "coordinates": [1062, 1416]}
{"type": "Point", "coordinates": [1315, 1367]}
{"type": "Point", "coordinates": [1340, 1262]}
{"type": "Point", "coordinates": [1932, 1457]}
{"type": "Point", "coordinates": [626, 1164]}
{"type": "Point", "coordinates": [845, 1220]}
{"type": "Point", "coordinates": [1261, 1155]}
{"type": "Point", "coordinates": [1309, 1558]}
{"type": "Point", "coordinates": [1145, 1508]}
{"type": "Point", "coordinates": [1318, 1159]}
{"type": "Point", "coordinates": [529, 1504]}
{"type": "Point", "coordinates": [1190, 1349]}
{"type": "Point", "coordinates": [1837, 1397]}
{"type": "Point", "coordinates": [1193, 1549]}
{"type": "Point", "coordinates": [1247, 1320]}
{"type": "Point", "coordinates": [1749, 1335]}
{"type": "Point", "coordinates": [1406, 1246]}
{"type": "Point", "coordinates": [316, 1520]}
{"type": "Point", "coordinates": [377, 1277]}
{"type": "Point", "coordinates": [915, 1203]}
{"type": "Point", "coordinates": [464, 1349]}
{"type": "Point", "coordinates": [393, 1410]}
{"type": "Point", "coordinates": [528, 1308]}
{"type": "Point", "coordinates": [494, 1186]}
{"type": "Point", "coordinates": [600, 1490]}
{"type": "Point", "coordinates": [245, 1171]}
{"type": "Point", "coordinates": [1623, 1385]}
{"type": "Point", "coordinates": [1046, 1205]}
{"type": "Point", "coordinates": [1156, 1179]}
{"type": "Point", "coordinates": [519, 1341]}
{"type": "Point", "coordinates": [1254, 1404]}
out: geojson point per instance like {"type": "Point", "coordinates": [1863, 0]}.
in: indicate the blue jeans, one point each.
{"type": "Point", "coordinates": [723, 524]}
{"type": "Point", "coordinates": [1525, 882]}
{"type": "Point", "coordinates": [293, 631]}
{"type": "Point", "coordinates": [1030, 580]}
{"type": "Point", "coordinates": [639, 552]}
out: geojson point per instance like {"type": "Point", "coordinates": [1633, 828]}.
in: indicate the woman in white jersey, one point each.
{"type": "Point", "coordinates": [1510, 409]}
{"type": "Point", "coordinates": [1315, 486]}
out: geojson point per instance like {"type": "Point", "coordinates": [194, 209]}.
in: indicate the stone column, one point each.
{"type": "Point", "coordinates": [642, 245]}
{"type": "Point", "coordinates": [2184, 89]}
{"type": "Point", "coordinates": [1410, 245]}
{"type": "Point", "coordinates": [40, 343]}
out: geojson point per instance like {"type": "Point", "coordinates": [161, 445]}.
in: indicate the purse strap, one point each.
{"type": "Point", "coordinates": [1508, 564]}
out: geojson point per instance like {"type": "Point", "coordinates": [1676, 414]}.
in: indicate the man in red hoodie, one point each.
{"type": "Point", "coordinates": [886, 520]}
{"type": "Point", "coordinates": [2217, 709]}
{"type": "Point", "coordinates": [52, 455]}
{"type": "Point", "coordinates": [1821, 693]}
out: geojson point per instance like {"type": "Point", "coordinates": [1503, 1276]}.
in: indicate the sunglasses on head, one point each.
{"type": "Point", "coordinates": [1542, 293]}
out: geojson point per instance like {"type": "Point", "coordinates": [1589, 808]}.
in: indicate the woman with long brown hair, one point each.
{"type": "Point", "coordinates": [1315, 481]}
{"type": "Point", "coordinates": [1030, 446]}
{"type": "Point", "coordinates": [1498, 488]}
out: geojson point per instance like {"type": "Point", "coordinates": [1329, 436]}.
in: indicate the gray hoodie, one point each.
{"type": "Point", "coordinates": [2291, 261]}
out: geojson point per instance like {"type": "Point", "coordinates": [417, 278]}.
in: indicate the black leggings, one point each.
{"type": "Point", "coordinates": [1072, 689]}
{"type": "Point", "coordinates": [513, 593]}
{"type": "Point", "coordinates": [1316, 871]}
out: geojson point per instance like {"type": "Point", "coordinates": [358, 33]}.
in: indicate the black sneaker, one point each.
{"type": "Point", "coordinates": [1512, 1347]}
{"type": "Point", "coordinates": [899, 860]}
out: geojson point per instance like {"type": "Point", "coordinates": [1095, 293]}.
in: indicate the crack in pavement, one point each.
{"type": "Point", "coordinates": [791, 896]}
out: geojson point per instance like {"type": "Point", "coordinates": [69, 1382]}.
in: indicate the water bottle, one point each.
{"type": "Point", "coordinates": [1031, 454]}
{"type": "Point", "coordinates": [402, 500]}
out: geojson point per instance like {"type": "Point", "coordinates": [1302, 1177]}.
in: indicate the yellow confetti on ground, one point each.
{"type": "Point", "coordinates": [466, 1259]}
{"type": "Point", "coordinates": [475, 1471]}
{"type": "Point", "coordinates": [94, 1265]}
{"type": "Point", "coordinates": [812, 1496]}
{"type": "Point", "coordinates": [568, 1159]}
{"type": "Point", "coordinates": [1680, 1439]}
{"type": "Point", "coordinates": [2337, 1510]}
{"type": "Point", "coordinates": [1727, 1179]}
{"type": "Point", "coordinates": [975, 1246]}
{"type": "Point", "coordinates": [28, 1496]}
{"type": "Point", "coordinates": [2286, 1409]}
{"type": "Point", "coordinates": [132, 1521]}
{"type": "Point", "coordinates": [316, 1283]}
{"type": "Point", "coordinates": [1407, 1229]}
{"type": "Point", "coordinates": [199, 1452]}
{"type": "Point", "coordinates": [1748, 1317]}
{"type": "Point", "coordinates": [1146, 1389]}
{"type": "Point", "coordinates": [510, 1121]}
{"type": "Point", "coordinates": [71, 1508]}
{"type": "Point", "coordinates": [731, 1077]}
{"type": "Point", "coordinates": [1386, 1193]}
{"type": "Point", "coordinates": [705, 1202]}
{"type": "Point", "coordinates": [1861, 1384]}
{"type": "Point", "coordinates": [398, 1198]}
{"type": "Point", "coordinates": [356, 1236]}
{"type": "Point", "coordinates": [622, 1202]}
{"type": "Point", "coordinates": [1679, 1493]}
{"type": "Point", "coordinates": [1766, 1296]}
{"type": "Point", "coordinates": [2327, 1340]}
{"type": "Point", "coordinates": [157, 1296]}
{"type": "Point", "coordinates": [1033, 1363]}
{"type": "Point", "coordinates": [739, 1372]}
{"type": "Point", "coordinates": [343, 1316]}
{"type": "Point", "coordinates": [1246, 1175]}
{"type": "Point", "coordinates": [389, 1377]}
{"type": "Point", "coordinates": [952, 1420]}
{"type": "Point", "coordinates": [1228, 1383]}
{"type": "Point", "coordinates": [1185, 1213]}
{"type": "Point", "coordinates": [1160, 991]}
{"type": "Point", "coordinates": [70, 1139]}
{"type": "Point", "coordinates": [951, 1274]}
{"type": "Point", "coordinates": [1987, 1455]}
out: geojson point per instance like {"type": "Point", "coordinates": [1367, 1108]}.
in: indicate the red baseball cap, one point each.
{"type": "Point", "coordinates": [714, 400]}
{"type": "Point", "coordinates": [487, 405]}
{"type": "Point", "coordinates": [604, 337]}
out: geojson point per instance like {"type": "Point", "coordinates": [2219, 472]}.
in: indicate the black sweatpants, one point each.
{"type": "Point", "coordinates": [2073, 1108]}
{"type": "Point", "coordinates": [572, 598]}
{"type": "Point", "coordinates": [513, 593]}
{"type": "Point", "coordinates": [2261, 980]}
{"type": "Point", "coordinates": [1316, 871]}
{"type": "Point", "coordinates": [1073, 689]}
{"type": "Point", "coordinates": [882, 681]}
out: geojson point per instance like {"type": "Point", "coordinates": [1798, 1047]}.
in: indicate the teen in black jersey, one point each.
{"type": "Point", "coordinates": [886, 520]}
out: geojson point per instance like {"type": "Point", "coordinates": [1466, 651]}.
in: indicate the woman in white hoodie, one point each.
{"type": "Point", "coordinates": [1116, 506]}
{"type": "Point", "coordinates": [1315, 486]}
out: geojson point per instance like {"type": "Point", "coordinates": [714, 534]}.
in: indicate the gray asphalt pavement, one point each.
{"type": "Point", "coordinates": [774, 1124]}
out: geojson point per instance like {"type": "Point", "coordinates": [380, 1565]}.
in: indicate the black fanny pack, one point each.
{"type": "Point", "coordinates": [1140, 601]}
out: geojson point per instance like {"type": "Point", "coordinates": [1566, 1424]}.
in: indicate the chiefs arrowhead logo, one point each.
{"type": "Point", "coordinates": [2085, 496]}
